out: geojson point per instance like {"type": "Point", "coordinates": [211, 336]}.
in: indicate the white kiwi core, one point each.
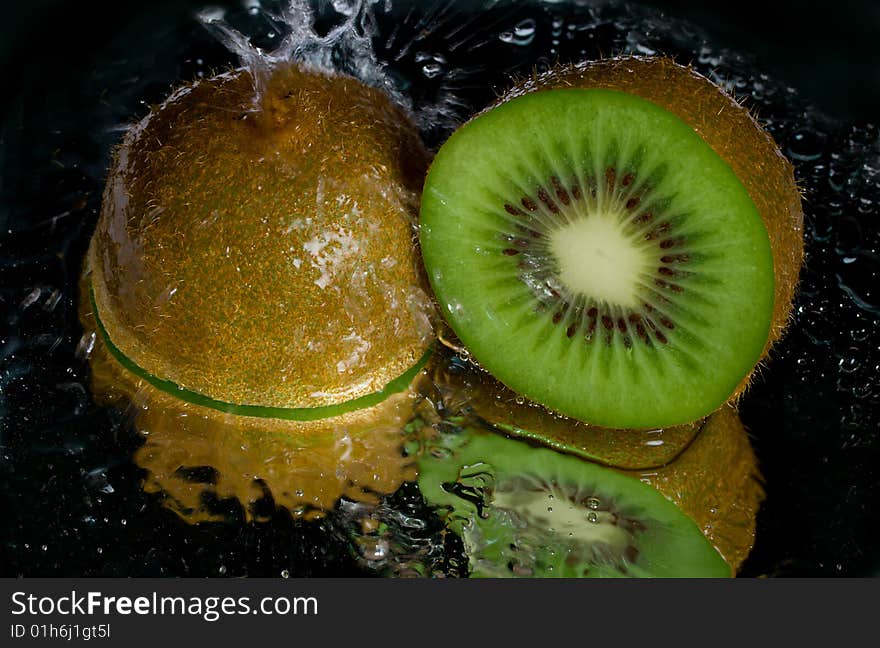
{"type": "Point", "coordinates": [555, 511]}
{"type": "Point", "coordinates": [597, 258]}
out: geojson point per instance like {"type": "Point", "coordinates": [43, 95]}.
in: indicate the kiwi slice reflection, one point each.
{"type": "Point", "coordinates": [531, 511]}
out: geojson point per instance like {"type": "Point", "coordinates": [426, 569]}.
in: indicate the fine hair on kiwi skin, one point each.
{"type": "Point", "coordinates": [258, 257]}
{"type": "Point", "coordinates": [500, 495]}
{"type": "Point", "coordinates": [735, 138]}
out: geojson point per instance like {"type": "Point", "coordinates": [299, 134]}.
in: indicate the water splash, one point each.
{"type": "Point", "coordinates": [292, 34]}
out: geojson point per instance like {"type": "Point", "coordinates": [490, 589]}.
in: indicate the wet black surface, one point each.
{"type": "Point", "coordinates": [70, 494]}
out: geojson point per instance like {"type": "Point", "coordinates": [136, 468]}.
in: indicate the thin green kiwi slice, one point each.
{"type": "Point", "coordinates": [598, 257]}
{"type": "Point", "coordinates": [532, 512]}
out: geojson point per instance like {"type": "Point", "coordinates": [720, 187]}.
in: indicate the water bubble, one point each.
{"type": "Point", "coordinates": [375, 550]}
{"type": "Point", "coordinates": [31, 298]}
{"type": "Point", "coordinates": [522, 34]}
{"type": "Point", "coordinates": [432, 70]}
{"type": "Point", "coordinates": [865, 206]}
{"type": "Point", "coordinates": [433, 65]}
{"type": "Point", "coordinates": [253, 8]}
{"type": "Point", "coordinates": [858, 277]}
{"type": "Point", "coordinates": [849, 236]}
{"type": "Point", "coordinates": [850, 363]}
{"type": "Point", "coordinates": [860, 334]}
{"type": "Point", "coordinates": [706, 56]}
{"type": "Point", "coordinates": [86, 345]}
{"type": "Point", "coordinates": [285, 573]}
{"type": "Point", "coordinates": [806, 146]}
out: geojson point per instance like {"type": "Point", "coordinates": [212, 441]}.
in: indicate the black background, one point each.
{"type": "Point", "coordinates": [48, 47]}
{"type": "Point", "coordinates": [829, 51]}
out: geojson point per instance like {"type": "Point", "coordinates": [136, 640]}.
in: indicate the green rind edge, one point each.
{"type": "Point", "coordinates": [396, 386]}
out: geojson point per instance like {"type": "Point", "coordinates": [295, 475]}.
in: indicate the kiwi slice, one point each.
{"type": "Point", "coordinates": [254, 253]}
{"type": "Point", "coordinates": [527, 511]}
{"type": "Point", "coordinates": [596, 255]}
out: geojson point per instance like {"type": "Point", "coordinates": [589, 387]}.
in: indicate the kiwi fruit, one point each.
{"type": "Point", "coordinates": [618, 241]}
{"type": "Point", "coordinates": [254, 253]}
{"type": "Point", "coordinates": [528, 511]}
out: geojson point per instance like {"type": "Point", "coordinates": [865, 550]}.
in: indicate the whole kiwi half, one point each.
{"type": "Point", "coordinates": [523, 510]}
{"type": "Point", "coordinates": [618, 241]}
{"type": "Point", "coordinates": [254, 254]}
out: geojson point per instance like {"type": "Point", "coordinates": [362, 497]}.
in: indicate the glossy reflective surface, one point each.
{"type": "Point", "coordinates": [71, 487]}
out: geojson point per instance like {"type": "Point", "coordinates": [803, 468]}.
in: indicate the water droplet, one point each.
{"type": "Point", "coordinates": [850, 363]}
{"type": "Point", "coordinates": [522, 34]}
{"type": "Point", "coordinates": [432, 70]}
{"type": "Point", "coordinates": [858, 277]}
{"type": "Point", "coordinates": [849, 236]}
{"type": "Point", "coordinates": [806, 146]}
{"type": "Point", "coordinates": [860, 334]}
{"type": "Point", "coordinates": [593, 517]}
{"type": "Point", "coordinates": [594, 503]}
{"type": "Point", "coordinates": [706, 57]}
{"type": "Point", "coordinates": [285, 573]}
{"type": "Point", "coordinates": [375, 550]}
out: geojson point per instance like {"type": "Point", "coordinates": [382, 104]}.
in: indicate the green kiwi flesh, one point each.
{"type": "Point", "coordinates": [595, 255]}
{"type": "Point", "coordinates": [532, 512]}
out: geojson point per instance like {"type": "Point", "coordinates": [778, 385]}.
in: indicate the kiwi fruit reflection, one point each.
{"type": "Point", "coordinates": [710, 475]}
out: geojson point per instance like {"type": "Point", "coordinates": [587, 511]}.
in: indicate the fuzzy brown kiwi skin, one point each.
{"type": "Point", "coordinates": [717, 482]}
{"type": "Point", "coordinates": [204, 196]}
{"type": "Point", "coordinates": [472, 392]}
{"type": "Point", "coordinates": [732, 132]}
